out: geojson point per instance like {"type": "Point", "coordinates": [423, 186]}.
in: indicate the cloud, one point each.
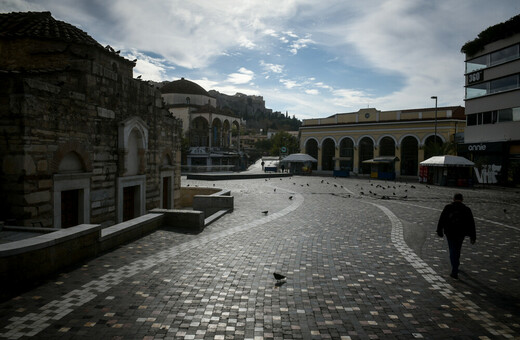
{"type": "Point", "coordinates": [274, 68]}
{"type": "Point", "coordinates": [312, 92]}
{"type": "Point", "coordinates": [289, 84]}
{"type": "Point", "coordinates": [149, 67]}
{"type": "Point", "coordinates": [243, 76]}
{"type": "Point", "coordinates": [299, 44]}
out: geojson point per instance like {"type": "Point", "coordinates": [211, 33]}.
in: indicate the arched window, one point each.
{"type": "Point", "coordinates": [366, 151]}
{"type": "Point", "coordinates": [387, 147]}
{"type": "Point", "coordinates": [327, 160]}
{"type": "Point", "coordinates": [346, 154]}
{"type": "Point", "coordinates": [409, 156]}
{"type": "Point", "coordinates": [311, 148]}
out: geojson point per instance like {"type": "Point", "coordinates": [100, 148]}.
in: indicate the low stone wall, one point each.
{"type": "Point", "coordinates": [127, 231]}
{"type": "Point", "coordinates": [24, 262]}
{"type": "Point", "coordinates": [186, 220]}
{"type": "Point", "coordinates": [211, 204]}
{"type": "Point", "coordinates": [187, 194]}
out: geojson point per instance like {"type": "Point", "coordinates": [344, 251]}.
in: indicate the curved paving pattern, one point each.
{"type": "Point", "coordinates": [350, 272]}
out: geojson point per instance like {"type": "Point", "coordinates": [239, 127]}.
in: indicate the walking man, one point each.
{"type": "Point", "coordinates": [456, 222]}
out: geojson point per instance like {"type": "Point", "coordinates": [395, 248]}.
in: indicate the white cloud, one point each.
{"type": "Point", "coordinates": [243, 76]}
{"type": "Point", "coordinates": [148, 67]}
{"type": "Point", "coordinates": [275, 68]}
{"type": "Point", "coordinates": [313, 92]}
{"type": "Point", "coordinates": [299, 44]}
{"type": "Point", "coordinates": [289, 84]}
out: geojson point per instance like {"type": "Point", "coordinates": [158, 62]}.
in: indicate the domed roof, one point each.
{"type": "Point", "coordinates": [41, 25]}
{"type": "Point", "coordinates": [184, 86]}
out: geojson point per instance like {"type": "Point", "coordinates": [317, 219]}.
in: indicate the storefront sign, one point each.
{"type": "Point", "coordinates": [475, 77]}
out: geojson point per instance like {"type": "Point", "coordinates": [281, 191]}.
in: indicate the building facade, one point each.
{"type": "Point", "coordinates": [212, 135]}
{"type": "Point", "coordinates": [82, 140]}
{"type": "Point", "coordinates": [492, 136]}
{"type": "Point", "coordinates": [348, 141]}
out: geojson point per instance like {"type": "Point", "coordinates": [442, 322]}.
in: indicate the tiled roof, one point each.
{"type": "Point", "coordinates": [41, 25]}
{"type": "Point", "coordinates": [184, 86]}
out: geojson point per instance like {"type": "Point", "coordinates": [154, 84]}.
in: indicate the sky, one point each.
{"type": "Point", "coordinates": [309, 58]}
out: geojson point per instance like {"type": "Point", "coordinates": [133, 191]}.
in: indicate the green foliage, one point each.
{"type": "Point", "coordinates": [283, 138]}
{"type": "Point", "coordinates": [263, 146]}
{"type": "Point", "coordinates": [492, 34]}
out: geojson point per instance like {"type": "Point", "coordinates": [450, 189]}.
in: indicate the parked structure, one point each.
{"type": "Point", "coordinates": [492, 136]}
{"type": "Point", "coordinates": [213, 135]}
{"type": "Point", "coordinates": [345, 141]}
{"type": "Point", "coordinates": [82, 141]}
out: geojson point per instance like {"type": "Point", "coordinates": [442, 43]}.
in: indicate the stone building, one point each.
{"type": "Point", "coordinates": [82, 141]}
{"type": "Point", "coordinates": [355, 141]}
{"type": "Point", "coordinates": [213, 135]}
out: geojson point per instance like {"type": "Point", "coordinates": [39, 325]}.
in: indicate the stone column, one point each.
{"type": "Point", "coordinates": [336, 158]}
{"type": "Point", "coordinates": [398, 163]}
{"type": "Point", "coordinates": [320, 158]}
{"type": "Point", "coordinates": [355, 163]}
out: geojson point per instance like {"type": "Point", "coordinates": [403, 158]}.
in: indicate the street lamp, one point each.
{"type": "Point", "coordinates": [435, 97]}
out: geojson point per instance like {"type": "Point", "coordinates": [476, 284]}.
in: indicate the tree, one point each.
{"type": "Point", "coordinates": [285, 139]}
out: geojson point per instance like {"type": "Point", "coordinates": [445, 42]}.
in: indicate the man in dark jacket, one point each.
{"type": "Point", "coordinates": [456, 222]}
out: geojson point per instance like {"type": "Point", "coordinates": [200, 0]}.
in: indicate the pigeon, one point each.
{"type": "Point", "coordinates": [290, 197]}
{"type": "Point", "coordinates": [139, 77]}
{"type": "Point", "coordinates": [274, 189]}
{"type": "Point", "coordinates": [265, 212]}
{"type": "Point", "coordinates": [279, 277]}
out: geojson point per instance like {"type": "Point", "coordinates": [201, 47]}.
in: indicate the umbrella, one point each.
{"type": "Point", "coordinates": [447, 160]}
{"type": "Point", "coordinates": [298, 158]}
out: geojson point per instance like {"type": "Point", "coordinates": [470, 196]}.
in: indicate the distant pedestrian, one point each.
{"type": "Point", "coordinates": [263, 163]}
{"type": "Point", "coordinates": [456, 221]}
{"type": "Point", "coordinates": [283, 168]}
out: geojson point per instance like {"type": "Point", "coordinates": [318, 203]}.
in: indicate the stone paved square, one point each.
{"type": "Point", "coordinates": [357, 267]}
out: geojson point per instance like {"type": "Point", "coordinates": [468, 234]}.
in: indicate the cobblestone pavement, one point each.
{"type": "Point", "coordinates": [358, 266]}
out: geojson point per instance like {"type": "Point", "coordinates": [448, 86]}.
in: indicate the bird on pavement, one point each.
{"type": "Point", "coordinates": [265, 212]}
{"type": "Point", "coordinates": [290, 197]}
{"type": "Point", "coordinates": [279, 277]}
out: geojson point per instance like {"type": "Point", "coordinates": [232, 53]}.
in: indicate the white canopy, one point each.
{"type": "Point", "coordinates": [298, 158]}
{"type": "Point", "coordinates": [447, 160]}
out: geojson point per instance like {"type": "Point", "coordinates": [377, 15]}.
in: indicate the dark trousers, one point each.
{"type": "Point", "coordinates": [455, 245]}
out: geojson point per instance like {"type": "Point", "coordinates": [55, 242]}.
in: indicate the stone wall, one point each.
{"type": "Point", "coordinates": [76, 103]}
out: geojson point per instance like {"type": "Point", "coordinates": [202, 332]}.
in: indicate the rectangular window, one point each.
{"type": "Point", "coordinates": [479, 118]}
{"type": "Point", "coordinates": [486, 117]}
{"type": "Point", "coordinates": [516, 114]}
{"type": "Point", "coordinates": [477, 63]}
{"type": "Point", "coordinates": [476, 90]}
{"type": "Point", "coordinates": [505, 115]}
{"type": "Point", "coordinates": [471, 120]}
{"type": "Point", "coordinates": [504, 55]}
{"type": "Point", "coordinates": [504, 84]}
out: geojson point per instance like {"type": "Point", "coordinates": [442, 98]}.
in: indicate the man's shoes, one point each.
{"type": "Point", "coordinates": [455, 276]}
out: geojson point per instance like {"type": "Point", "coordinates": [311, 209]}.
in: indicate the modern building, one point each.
{"type": "Point", "coordinates": [397, 140]}
{"type": "Point", "coordinates": [82, 140]}
{"type": "Point", "coordinates": [212, 135]}
{"type": "Point", "coordinates": [492, 135]}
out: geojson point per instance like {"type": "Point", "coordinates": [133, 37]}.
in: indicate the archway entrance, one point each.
{"type": "Point", "coordinates": [311, 148]}
{"type": "Point", "coordinates": [327, 149]}
{"type": "Point", "coordinates": [409, 156]}
{"type": "Point", "coordinates": [366, 152]}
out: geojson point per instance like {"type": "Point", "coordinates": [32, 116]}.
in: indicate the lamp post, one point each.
{"type": "Point", "coordinates": [435, 97]}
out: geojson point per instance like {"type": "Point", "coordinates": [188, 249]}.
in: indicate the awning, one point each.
{"type": "Point", "coordinates": [298, 158]}
{"type": "Point", "coordinates": [447, 161]}
{"type": "Point", "coordinates": [382, 159]}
